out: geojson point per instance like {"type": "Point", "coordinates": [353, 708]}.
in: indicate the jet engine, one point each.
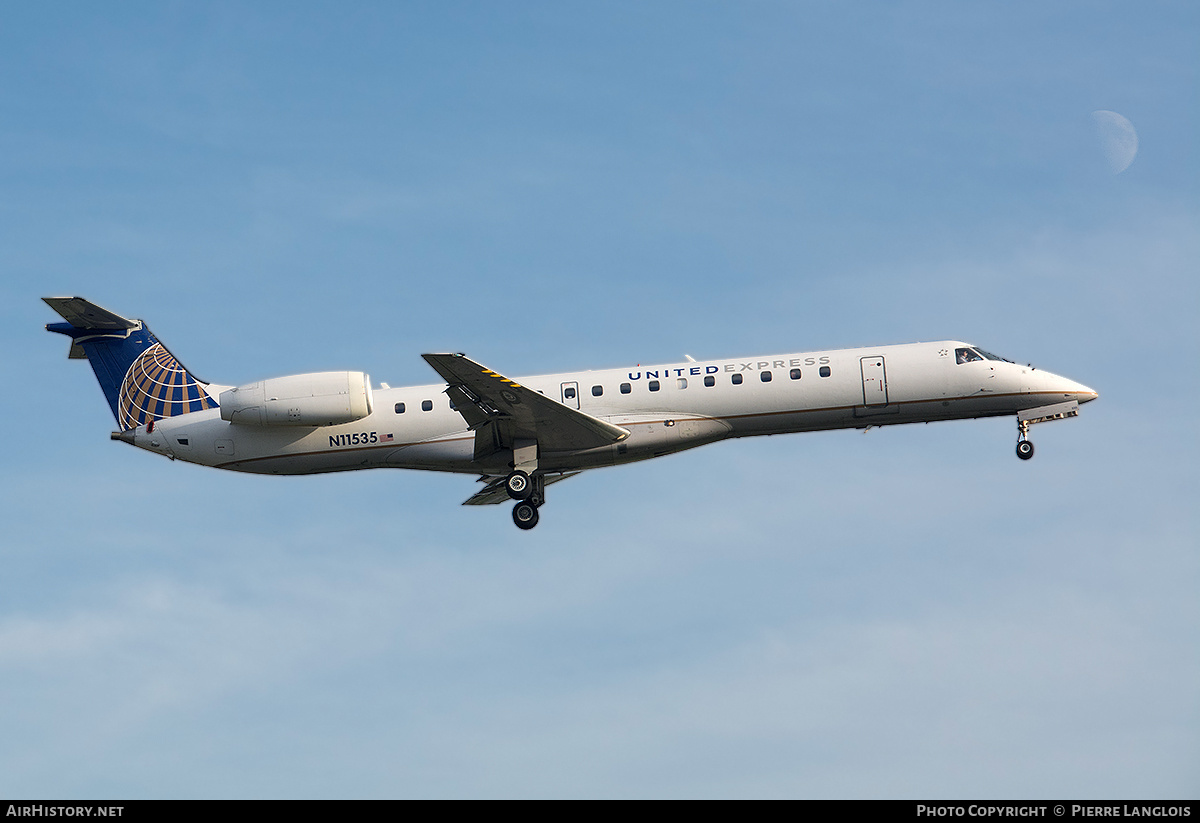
{"type": "Point", "coordinates": [319, 399]}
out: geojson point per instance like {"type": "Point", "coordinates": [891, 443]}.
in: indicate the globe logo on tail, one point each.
{"type": "Point", "coordinates": [156, 386]}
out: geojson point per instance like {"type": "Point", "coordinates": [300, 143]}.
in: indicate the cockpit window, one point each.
{"type": "Point", "coordinates": [970, 355]}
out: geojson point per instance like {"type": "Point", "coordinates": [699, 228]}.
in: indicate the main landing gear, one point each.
{"type": "Point", "coordinates": [530, 493]}
{"type": "Point", "coordinates": [519, 485]}
{"type": "Point", "coordinates": [525, 515]}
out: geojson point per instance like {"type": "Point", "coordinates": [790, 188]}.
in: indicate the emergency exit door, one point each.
{"type": "Point", "coordinates": [570, 395]}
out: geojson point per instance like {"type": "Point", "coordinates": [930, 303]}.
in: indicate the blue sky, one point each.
{"type": "Point", "coordinates": [912, 612]}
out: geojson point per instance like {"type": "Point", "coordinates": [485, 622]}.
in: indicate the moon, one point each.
{"type": "Point", "coordinates": [1118, 139]}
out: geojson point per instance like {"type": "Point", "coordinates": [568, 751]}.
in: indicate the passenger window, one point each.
{"type": "Point", "coordinates": [795, 374]}
{"type": "Point", "coordinates": [825, 371]}
{"type": "Point", "coordinates": [399, 408]}
{"type": "Point", "coordinates": [569, 393]}
{"type": "Point", "coordinates": [683, 382]}
{"type": "Point", "coordinates": [737, 379]}
{"type": "Point", "coordinates": [426, 405]}
{"type": "Point", "coordinates": [653, 385]}
{"type": "Point", "coordinates": [710, 381]}
{"type": "Point", "coordinates": [626, 388]}
{"type": "Point", "coordinates": [764, 376]}
{"type": "Point", "coordinates": [597, 391]}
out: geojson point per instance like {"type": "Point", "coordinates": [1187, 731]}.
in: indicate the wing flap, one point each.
{"type": "Point", "coordinates": [494, 491]}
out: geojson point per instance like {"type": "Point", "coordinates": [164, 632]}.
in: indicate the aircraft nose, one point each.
{"type": "Point", "coordinates": [1064, 387]}
{"type": "Point", "coordinates": [1082, 393]}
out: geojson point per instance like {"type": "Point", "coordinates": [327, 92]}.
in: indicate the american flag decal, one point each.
{"type": "Point", "coordinates": [385, 438]}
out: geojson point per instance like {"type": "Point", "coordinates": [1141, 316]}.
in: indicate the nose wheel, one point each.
{"type": "Point", "coordinates": [1024, 444]}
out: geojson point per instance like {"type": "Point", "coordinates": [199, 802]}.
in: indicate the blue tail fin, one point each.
{"type": "Point", "coordinates": [141, 380]}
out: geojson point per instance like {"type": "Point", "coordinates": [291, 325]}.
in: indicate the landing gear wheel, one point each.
{"type": "Point", "coordinates": [518, 485]}
{"type": "Point", "coordinates": [525, 515]}
{"type": "Point", "coordinates": [1024, 449]}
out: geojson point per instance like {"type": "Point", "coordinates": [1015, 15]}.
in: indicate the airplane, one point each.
{"type": "Point", "coordinates": [521, 435]}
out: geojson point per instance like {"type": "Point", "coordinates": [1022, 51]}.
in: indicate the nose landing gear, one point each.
{"type": "Point", "coordinates": [1024, 449]}
{"type": "Point", "coordinates": [1024, 444]}
{"type": "Point", "coordinates": [1041, 414]}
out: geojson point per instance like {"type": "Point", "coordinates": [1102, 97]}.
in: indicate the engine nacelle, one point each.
{"type": "Point", "coordinates": [320, 399]}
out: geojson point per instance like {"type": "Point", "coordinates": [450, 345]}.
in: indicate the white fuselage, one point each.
{"type": "Point", "coordinates": [666, 408]}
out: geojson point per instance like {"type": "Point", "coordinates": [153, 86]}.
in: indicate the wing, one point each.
{"type": "Point", "coordinates": [501, 412]}
{"type": "Point", "coordinates": [494, 491]}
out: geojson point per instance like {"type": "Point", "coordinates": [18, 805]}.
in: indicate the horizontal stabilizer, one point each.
{"type": "Point", "coordinates": [83, 314]}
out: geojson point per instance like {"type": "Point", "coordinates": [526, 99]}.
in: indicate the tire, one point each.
{"type": "Point", "coordinates": [1024, 449]}
{"type": "Point", "coordinates": [518, 485]}
{"type": "Point", "coordinates": [525, 515]}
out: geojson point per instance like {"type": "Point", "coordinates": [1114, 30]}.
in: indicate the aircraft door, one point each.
{"type": "Point", "coordinates": [874, 377]}
{"type": "Point", "coordinates": [570, 395]}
